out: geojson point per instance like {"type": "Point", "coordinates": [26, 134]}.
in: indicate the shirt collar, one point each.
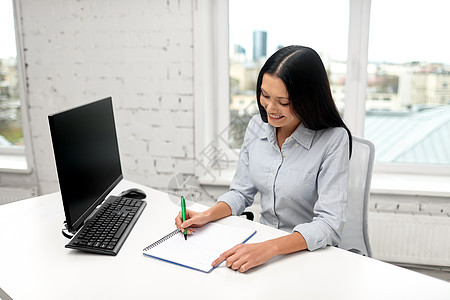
{"type": "Point", "coordinates": [301, 135]}
{"type": "Point", "coordinates": [304, 136]}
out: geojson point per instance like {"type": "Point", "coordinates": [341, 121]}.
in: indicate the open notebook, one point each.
{"type": "Point", "coordinates": [201, 248]}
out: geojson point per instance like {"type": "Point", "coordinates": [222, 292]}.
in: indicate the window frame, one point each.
{"type": "Point", "coordinates": [211, 78]}
{"type": "Point", "coordinates": [20, 151]}
{"type": "Point", "coordinates": [211, 83]}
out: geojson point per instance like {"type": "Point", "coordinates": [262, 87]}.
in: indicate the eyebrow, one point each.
{"type": "Point", "coordinates": [285, 98]}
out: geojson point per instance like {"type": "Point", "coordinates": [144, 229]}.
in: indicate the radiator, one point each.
{"type": "Point", "coordinates": [8, 194]}
{"type": "Point", "coordinates": [408, 238]}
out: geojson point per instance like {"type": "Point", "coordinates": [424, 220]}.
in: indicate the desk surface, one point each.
{"type": "Point", "coordinates": [35, 265]}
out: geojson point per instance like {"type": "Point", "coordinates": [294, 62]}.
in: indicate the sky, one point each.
{"type": "Point", "coordinates": [295, 25]}
{"type": "Point", "coordinates": [7, 35]}
{"type": "Point", "coordinates": [400, 30]}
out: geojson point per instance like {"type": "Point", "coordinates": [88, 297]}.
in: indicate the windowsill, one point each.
{"type": "Point", "coordinates": [382, 183]}
{"type": "Point", "coordinates": [13, 163]}
{"type": "Point", "coordinates": [410, 184]}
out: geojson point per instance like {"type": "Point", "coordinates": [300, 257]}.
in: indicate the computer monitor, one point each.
{"type": "Point", "coordinates": [87, 158]}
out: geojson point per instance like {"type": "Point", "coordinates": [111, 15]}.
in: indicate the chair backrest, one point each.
{"type": "Point", "coordinates": [355, 235]}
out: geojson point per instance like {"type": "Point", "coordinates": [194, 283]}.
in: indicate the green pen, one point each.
{"type": "Point", "coordinates": [183, 212]}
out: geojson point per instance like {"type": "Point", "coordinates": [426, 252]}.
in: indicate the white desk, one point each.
{"type": "Point", "coordinates": [35, 265]}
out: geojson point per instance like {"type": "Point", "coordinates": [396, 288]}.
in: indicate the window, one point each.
{"type": "Point", "coordinates": [10, 114]}
{"type": "Point", "coordinates": [12, 139]}
{"type": "Point", "coordinates": [258, 28]}
{"type": "Point", "coordinates": [409, 68]}
{"type": "Point", "coordinates": [224, 46]}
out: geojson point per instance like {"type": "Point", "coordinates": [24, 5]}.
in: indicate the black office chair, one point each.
{"type": "Point", "coordinates": [249, 215]}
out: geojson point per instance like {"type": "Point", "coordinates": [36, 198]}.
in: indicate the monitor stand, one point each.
{"type": "Point", "coordinates": [66, 231]}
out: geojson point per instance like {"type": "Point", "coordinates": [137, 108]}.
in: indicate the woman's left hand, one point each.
{"type": "Point", "coordinates": [243, 257]}
{"type": "Point", "coordinates": [246, 256]}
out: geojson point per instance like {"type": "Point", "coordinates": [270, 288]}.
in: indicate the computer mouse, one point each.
{"type": "Point", "coordinates": [134, 193]}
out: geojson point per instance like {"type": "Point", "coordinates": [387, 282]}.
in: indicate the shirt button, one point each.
{"type": "Point", "coordinates": [296, 145]}
{"type": "Point", "coordinates": [284, 155]}
{"type": "Point", "coordinates": [273, 172]}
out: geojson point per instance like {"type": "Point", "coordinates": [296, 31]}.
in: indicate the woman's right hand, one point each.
{"type": "Point", "coordinates": [196, 219]}
{"type": "Point", "coordinates": [193, 220]}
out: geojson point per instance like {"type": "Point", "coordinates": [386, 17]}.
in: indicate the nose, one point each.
{"type": "Point", "coordinates": [269, 106]}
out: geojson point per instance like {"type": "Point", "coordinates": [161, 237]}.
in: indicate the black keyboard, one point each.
{"type": "Point", "coordinates": [106, 231]}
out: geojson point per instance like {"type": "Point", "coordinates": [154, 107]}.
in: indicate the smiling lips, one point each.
{"type": "Point", "coordinates": [275, 117]}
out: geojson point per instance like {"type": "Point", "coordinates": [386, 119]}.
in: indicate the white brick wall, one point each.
{"type": "Point", "coordinates": [139, 52]}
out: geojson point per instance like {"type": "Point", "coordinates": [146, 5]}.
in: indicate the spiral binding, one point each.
{"type": "Point", "coordinates": [161, 240]}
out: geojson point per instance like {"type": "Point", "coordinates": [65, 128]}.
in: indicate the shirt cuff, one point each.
{"type": "Point", "coordinates": [234, 201]}
{"type": "Point", "coordinates": [313, 235]}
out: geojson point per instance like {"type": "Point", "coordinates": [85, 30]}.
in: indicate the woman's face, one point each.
{"type": "Point", "coordinates": [275, 100]}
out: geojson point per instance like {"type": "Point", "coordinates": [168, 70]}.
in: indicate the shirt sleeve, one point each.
{"type": "Point", "coordinates": [332, 186]}
{"type": "Point", "coordinates": [242, 190]}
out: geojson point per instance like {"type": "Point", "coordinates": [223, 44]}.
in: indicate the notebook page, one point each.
{"type": "Point", "coordinates": [201, 248]}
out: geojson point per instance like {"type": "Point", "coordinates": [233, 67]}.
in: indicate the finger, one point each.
{"type": "Point", "coordinates": [195, 221]}
{"type": "Point", "coordinates": [235, 261]}
{"type": "Point", "coordinates": [244, 267]}
{"type": "Point", "coordinates": [178, 221]}
{"type": "Point", "coordinates": [221, 258]}
{"type": "Point", "coordinates": [189, 215]}
{"type": "Point", "coordinates": [187, 223]}
{"type": "Point", "coordinates": [218, 261]}
{"type": "Point", "coordinates": [236, 264]}
{"type": "Point", "coordinates": [225, 256]}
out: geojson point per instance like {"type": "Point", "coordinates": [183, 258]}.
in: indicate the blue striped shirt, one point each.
{"type": "Point", "coordinates": [303, 185]}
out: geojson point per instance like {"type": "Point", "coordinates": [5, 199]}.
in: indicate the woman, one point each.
{"type": "Point", "coordinates": [296, 154]}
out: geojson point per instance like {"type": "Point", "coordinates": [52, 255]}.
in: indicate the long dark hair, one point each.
{"type": "Point", "coordinates": [306, 81]}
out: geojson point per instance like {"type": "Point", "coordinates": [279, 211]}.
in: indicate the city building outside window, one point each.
{"type": "Point", "coordinates": [408, 94]}
{"type": "Point", "coordinates": [253, 37]}
{"type": "Point", "coordinates": [407, 100]}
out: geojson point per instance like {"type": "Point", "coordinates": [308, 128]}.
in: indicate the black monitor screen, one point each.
{"type": "Point", "coordinates": [87, 158]}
